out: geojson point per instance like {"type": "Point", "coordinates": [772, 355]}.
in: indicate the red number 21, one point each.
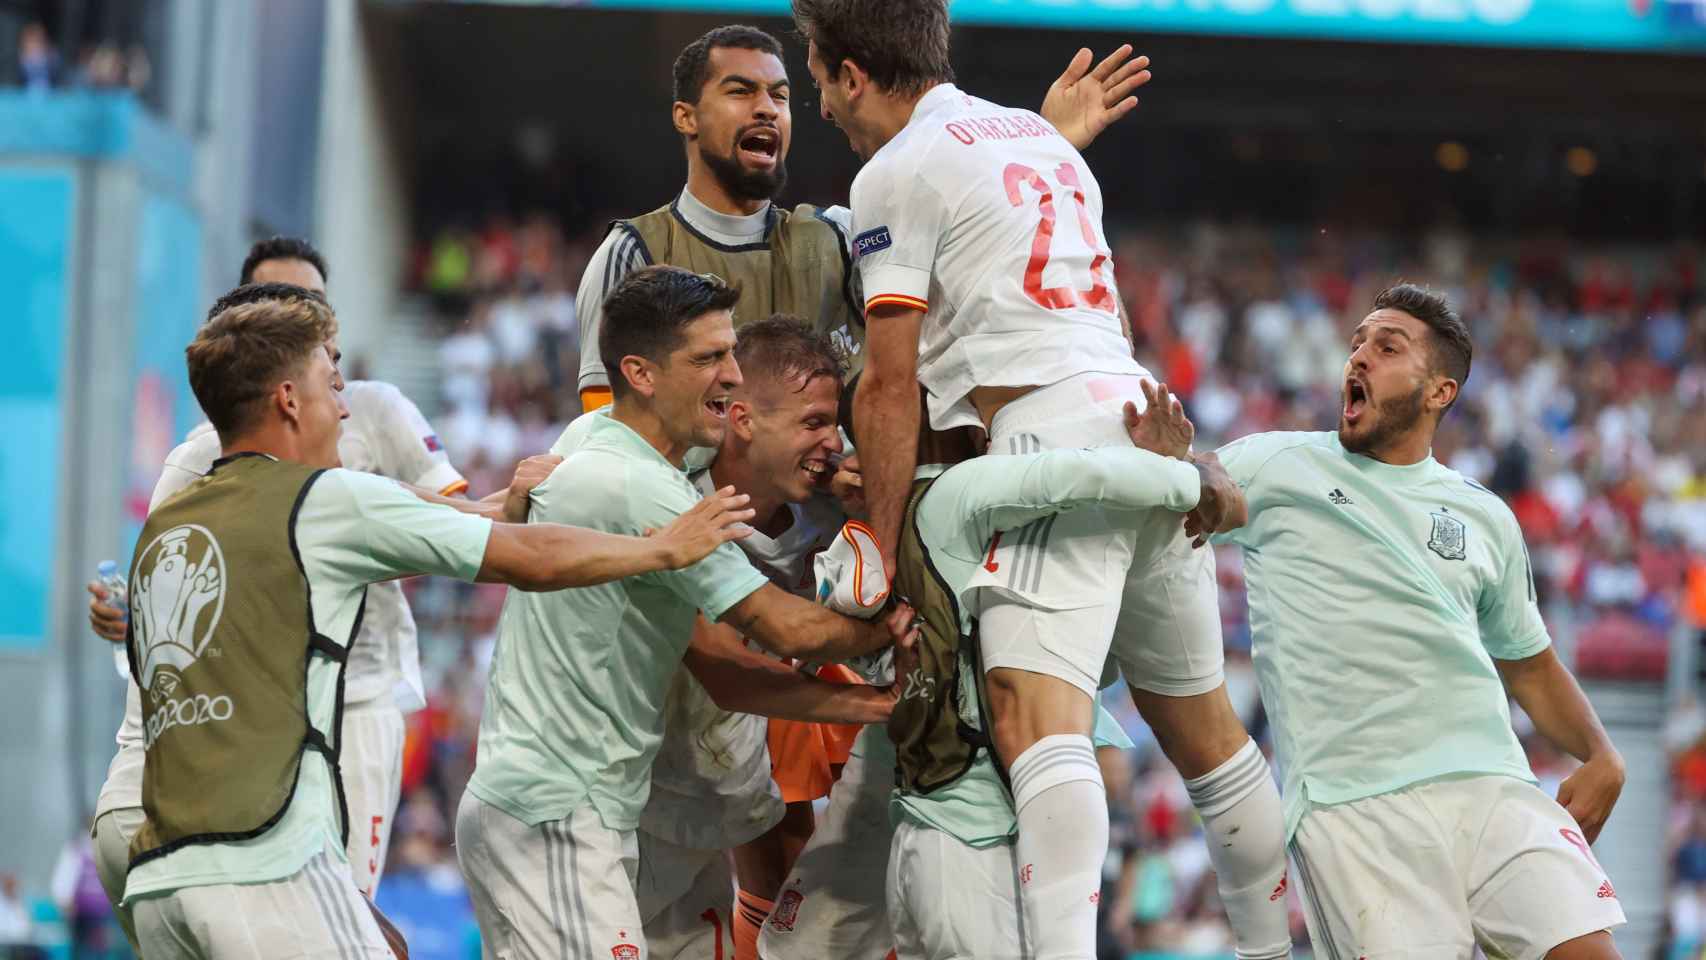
{"type": "Point", "coordinates": [1098, 297]}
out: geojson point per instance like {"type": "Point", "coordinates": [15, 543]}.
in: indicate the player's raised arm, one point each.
{"type": "Point", "coordinates": [1561, 712]}
{"type": "Point", "coordinates": [783, 623]}
{"type": "Point", "coordinates": [550, 556]}
{"type": "Point", "coordinates": [887, 405]}
{"type": "Point", "coordinates": [740, 680]}
{"type": "Point", "coordinates": [1081, 102]}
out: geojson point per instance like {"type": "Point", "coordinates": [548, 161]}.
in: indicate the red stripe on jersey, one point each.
{"type": "Point", "coordinates": [897, 300]}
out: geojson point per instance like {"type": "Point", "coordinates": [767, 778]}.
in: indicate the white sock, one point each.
{"type": "Point", "coordinates": [1063, 839]}
{"type": "Point", "coordinates": [1245, 826]}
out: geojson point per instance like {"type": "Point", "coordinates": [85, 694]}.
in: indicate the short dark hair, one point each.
{"type": "Point", "coordinates": [902, 44]}
{"type": "Point", "coordinates": [644, 315]}
{"type": "Point", "coordinates": [282, 248]}
{"type": "Point", "coordinates": [256, 292]}
{"type": "Point", "coordinates": [1450, 350]}
{"type": "Point", "coordinates": [693, 65]}
{"type": "Point", "coordinates": [239, 356]}
{"type": "Point", "coordinates": [781, 347]}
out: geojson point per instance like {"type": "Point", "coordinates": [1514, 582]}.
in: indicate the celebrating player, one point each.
{"type": "Point", "coordinates": [1389, 597]}
{"type": "Point", "coordinates": [248, 587]}
{"type": "Point", "coordinates": [989, 290]}
{"type": "Point", "coordinates": [732, 110]}
{"type": "Point", "coordinates": [385, 434]}
{"type": "Point", "coordinates": [573, 714]}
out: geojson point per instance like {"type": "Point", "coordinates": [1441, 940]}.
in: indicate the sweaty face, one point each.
{"type": "Point", "coordinates": [795, 438]}
{"type": "Point", "coordinates": [1386, 380]}
{"type": "Point", "coordinates": [743, 122]}
{"type": "Point", "coordinates": [694, 382]}
{"type": "Point", "coordinates": [290, 270]}
{"type": "Point", "coordinates": [320, 407]}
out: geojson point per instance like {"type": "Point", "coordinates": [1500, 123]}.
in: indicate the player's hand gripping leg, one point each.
{"type": "Point", "coordinates": [1234, 793]}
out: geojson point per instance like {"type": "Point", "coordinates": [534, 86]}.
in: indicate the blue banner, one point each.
{"type": "Point", "coordinates": [1651, 25]}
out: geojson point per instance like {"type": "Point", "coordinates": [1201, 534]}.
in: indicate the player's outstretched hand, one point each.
{"type": "Point", "coordinates": [529, 473]}
{"type": "Point", "coordinates": [848, 486]}
{"type": "Point", "coordinates": [1163, 428]}
{"type": "Point", "coordinates": [1081, 102]}
{"type": "Point", "coordinates": [107, 621]}
{"type": "Point", "coordinates": [710, 523]}
{"type": "Point", "coordinates": [906, 663]}
{"type": "Point", "coordinates": [1591, 792]}
{"type": "Point", "coordinates": [1221, 508]}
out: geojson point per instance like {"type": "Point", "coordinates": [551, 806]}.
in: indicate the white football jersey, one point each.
{"type": "Point", "coordinates": [387, 435]}
{"type": "Point", "coordinates": [989, 221]}
{"type": "Point", "coordinates": [711, 785]}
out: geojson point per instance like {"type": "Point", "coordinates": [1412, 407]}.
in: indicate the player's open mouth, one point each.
{"type": "Point", "coordinates": [1356, 399]}
{"type": "Point", "coordinates": [816, 471]}
{"type": "Point", "coordinates": [760, 145]}
{"type": "Point", "coordinates": [718, 407]}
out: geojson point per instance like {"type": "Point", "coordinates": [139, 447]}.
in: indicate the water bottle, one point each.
{"type": "Point", "coordinates": [118, 592]}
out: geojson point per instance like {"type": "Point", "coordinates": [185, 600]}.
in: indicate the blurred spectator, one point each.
{"type": "Point", "coordinates": [38, 61]}
{"type": "Point", "coordinates": [14, 915]}
{"type": "Point", "coordinates": [77, 891]}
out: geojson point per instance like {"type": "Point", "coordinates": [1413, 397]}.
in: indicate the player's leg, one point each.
{"type": "Point", "coordinates": [832, 903]}
{"type": "Point", "coordinates": [112, 834]}
{"type": "Point", "coordinates": [1169, 647]}
{"type": "Point", "coordinates": [559, 888]}
{"type": "Point", "coordinates": [761, 865]}
{"type": "Point", "coordinates": [685, 898]}
{"type": "Point", "coordinates": [1535, 887]}
{"type": "Point", "coordinates": [372, 768]}
{"type": "Point", "coordinates": [951, 901]}
{"type": "Point", "coordinates": [1378, 881]}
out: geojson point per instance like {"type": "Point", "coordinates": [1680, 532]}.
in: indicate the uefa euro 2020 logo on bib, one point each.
{"type": "Point", "coordinates": [177, 601]}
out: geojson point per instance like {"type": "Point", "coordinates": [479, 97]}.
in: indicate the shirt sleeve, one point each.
{"type": "Point", "coordinates": [620, 254]}
{"type": "Point", "coordinates": [188, 462]}
{"type": "Point", "coordinates": [900, 221]}
{"type": "Point", "coordinates": [367, 528]}
{"type": "Point", "coordinates": [1509, 609]}
{"type": "Point", "coordinates": [993, 493]}
{"type": "Point", "coordinates": [715, 583]}
{"type": "Point", "coordinates": [1245, 460]}
{"type": "Point", "coordinates": [409, 448]}
{"type": "Point", "coordinates": [1107, 732]}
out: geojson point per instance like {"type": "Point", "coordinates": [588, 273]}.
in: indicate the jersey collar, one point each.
{"type": "Point", "coordinates": [935, 99]}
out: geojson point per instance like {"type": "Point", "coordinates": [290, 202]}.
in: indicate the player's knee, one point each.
{"type": "Point", "coordinates": [1197, 733]}
{"type": "Point", "coordinates": [1594, 946]}
{"type": "Point", "coordinates": [1024, 707]}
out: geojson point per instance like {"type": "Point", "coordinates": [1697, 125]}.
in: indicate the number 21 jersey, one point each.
{"type": "Point", "coordinates": [989, 221]}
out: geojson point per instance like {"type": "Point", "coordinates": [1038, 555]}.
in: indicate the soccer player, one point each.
{"type": "Point", "coordinates": [1392, 610]}
{"type": "Point", "coordinates": [573, 712]}
{"type": "Point", "coordinates": [989, 291]}
{"type": "Point", "coordinates": [248, 587]}
{"type": "Point", "coordinates": [732, 110]}
{"type": "Point", "coordinates": [386, 435]}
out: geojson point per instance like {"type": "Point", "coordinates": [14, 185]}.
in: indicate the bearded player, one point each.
{"type": "Point", "coordinates": [1392, 608]}
{"type": "Point", "coordinates": [989, 292]}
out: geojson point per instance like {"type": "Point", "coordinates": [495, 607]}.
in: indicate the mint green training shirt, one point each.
{"type": "Point", "coordinates": [573, 711]}
{"type": "Point", "coordinates": [1380, 596]}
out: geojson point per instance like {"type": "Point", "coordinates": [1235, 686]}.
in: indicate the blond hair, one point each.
{"type": "Point", "coordinates": [245, 351]}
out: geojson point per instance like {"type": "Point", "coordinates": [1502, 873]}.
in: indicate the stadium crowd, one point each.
{"type": "Point", "coordinates": [1586, 410]}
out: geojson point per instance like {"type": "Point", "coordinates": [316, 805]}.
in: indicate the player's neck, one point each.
{"type": "Point", "coordinates": [891, 113]}
{"type": "Point", "coordinates": [1407, 450]}
{"type": "Point", "coordinates": [704, 187]}
{"type": "Point", "coordinates": [770, 511]}
{"type": "Point", "coordinates": [274, 440]}
{"type": "Point", "coordinates": [645, 422]}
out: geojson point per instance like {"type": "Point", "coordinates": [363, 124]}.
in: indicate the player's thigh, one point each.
{"type": "Point", "coordinates": [697, 924]}
{"type": "Point", "coordinates": [559, 888]}
{"type": "Point", "coordinates": [1534, 882]}
{"type": "Point", "coordinates": [833, 902]}
{"type": "Point", "coordinates": [113, 831]}
{"type": "Point", "coordinates": [952, 901]}
{"type": "Point", "coordinates": [1048, 595]}
{"type": "Point", "coordinates": [1378, 882]}
{"type": "Point", "coordinates": [1167, 639]}
{"type": "Point", "coordinates": [371, 765]}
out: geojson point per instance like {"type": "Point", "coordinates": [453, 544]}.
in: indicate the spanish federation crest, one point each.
{"type": "Point", "coordinates": [1447, 538]}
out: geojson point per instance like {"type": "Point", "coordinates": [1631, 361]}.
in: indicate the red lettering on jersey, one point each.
{"type": "Point", "coordinates": [959, 133]}
{"type": "Point", "coordinates": [787, 910]}
{"type": "Point", "coordinates": [625, 951]}
{"type": "Point", "coordinates": [1096, 897]}
{"type": "Point", "coordinates": [1279, 891]}
{"type": "Point", "coordinates": [1606, 892]}
{"type": "Point", "coordinates": [1576, 840]}
{"type": "Point", "coordinates": [989, 562]}
{"type": "Point", "coordinates": [1025, 874]}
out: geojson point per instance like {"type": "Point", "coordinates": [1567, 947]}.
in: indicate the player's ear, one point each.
{"type": "Point", "coordinates": [740, 420]}
{"type": "Point", "coordinates": [286, 402]}
{"type": "Point", "coordinates": [854, 78]}
{"type": "Point", "coordinates": [640, 374]}
{"type": "Point", "coordinates": [1441, 395]}
{"type": "Point", "coordinates": [685, 116]}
